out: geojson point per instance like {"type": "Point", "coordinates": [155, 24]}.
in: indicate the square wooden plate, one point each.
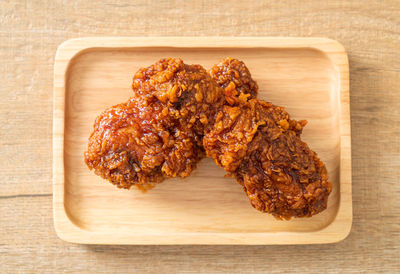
{"type": "Point", "coordinates": [309, 76]}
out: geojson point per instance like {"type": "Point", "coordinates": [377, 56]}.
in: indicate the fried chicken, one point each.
{"type": "Point", "coordinates": [187, 91]}
{"type": "Point", "coordinates": [158, 133]}
{"type": "Point", "coordinates": [140, 145]}
{"type": "Point", "coordinates": [258, 144]}
{"type": "Point", "coordinates": [235, 79]}
{"type": "Point", "coordinates": [178, 112]}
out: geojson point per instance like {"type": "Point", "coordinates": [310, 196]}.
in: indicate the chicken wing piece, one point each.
{"type": "Point", "coordinates": [258, 144]}
{"type": "Point", "coordinates": [235, 79]}
{"type": "Point", "coordinates": [158, 133]}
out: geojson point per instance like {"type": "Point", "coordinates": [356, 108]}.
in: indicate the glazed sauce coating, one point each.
{"type": "Point", "coordinates": [257, 143]}
{"type": "Point", "coordinates": [235, 79]}
{"type": "Point", "coordinates": [158, 133]}
{"type": "Point", "coordinates": [178, 112]}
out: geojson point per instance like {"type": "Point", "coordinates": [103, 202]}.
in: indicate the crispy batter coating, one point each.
{"type": "Point", "coordinates": [188, 91]}
{"type": "Point", "coordinates": [133, 145]}
{"type": "Point", "coordinates": [179, 110]}
{"type": "Point", "coordinates": [236, 126]}
{"type": "Point", "coordinates": [235, 79]}
{"type": "Point", "coordinates": [157, 134]}
{"type": "Point", "coordinates": [258, 144]}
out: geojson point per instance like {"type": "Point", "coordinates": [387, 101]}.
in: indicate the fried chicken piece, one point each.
{"type": "Point", "coordinates": [157, 134]}
{"type": "Point", "coordinates": [235, 79]}
{"type": "Point", "coordinates": [188, 91]}
{"type": "Point", "coordinates": [258, 144]}
{"type": "Point", "coordinates": [236, 126]}
{"type": "Point", "coordinates": [140, 145]}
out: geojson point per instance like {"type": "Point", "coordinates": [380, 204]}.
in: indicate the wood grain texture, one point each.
{"type": "Point", "coordinates": [29, 35]}
{"type": "Point", "coordinates": [308, 76]}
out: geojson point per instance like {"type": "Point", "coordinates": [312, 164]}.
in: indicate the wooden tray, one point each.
{"type": "Point", "coordinates": [309, 76]}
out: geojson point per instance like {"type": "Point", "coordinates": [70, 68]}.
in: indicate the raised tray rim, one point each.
{"type": "Point", "coordinates": [336, 231]}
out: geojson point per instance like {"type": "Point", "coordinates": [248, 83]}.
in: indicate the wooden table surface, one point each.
{"type": "Point", "coordinates": [30, 32]}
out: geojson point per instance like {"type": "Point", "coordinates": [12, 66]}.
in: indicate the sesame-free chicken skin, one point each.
{"type": "Point", "coordinates": [158, 133]}
{"type": "Point", "coordinates": [179, 113]}
{"type": "Point", "coordinates": [258, 144]}
{"type": "Point", "coordinates": [141, 146]}
{"type": "Point", "coordinates": [190, 94]}
{"type": "Point", "coordinates": [234, 78]}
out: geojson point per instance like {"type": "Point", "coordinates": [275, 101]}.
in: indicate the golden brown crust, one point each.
{"type": "Point", "coordinates": [177, 109]}
{"type": "Point", "coordinates": [157, 134]}
{"type": "Point", "coordinates": [235, 79]}
{"type": "Point", "coordinates": [188, 92]}
{"type": "Point", "coordinates": [140, 145]}
{"type": "Point", "coordinates": [235, 127]}
{"type": "Point", "coordinates": [259, 145]}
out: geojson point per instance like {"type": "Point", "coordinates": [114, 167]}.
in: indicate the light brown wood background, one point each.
{"type": "Point", "coordinates": [30, 32]}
